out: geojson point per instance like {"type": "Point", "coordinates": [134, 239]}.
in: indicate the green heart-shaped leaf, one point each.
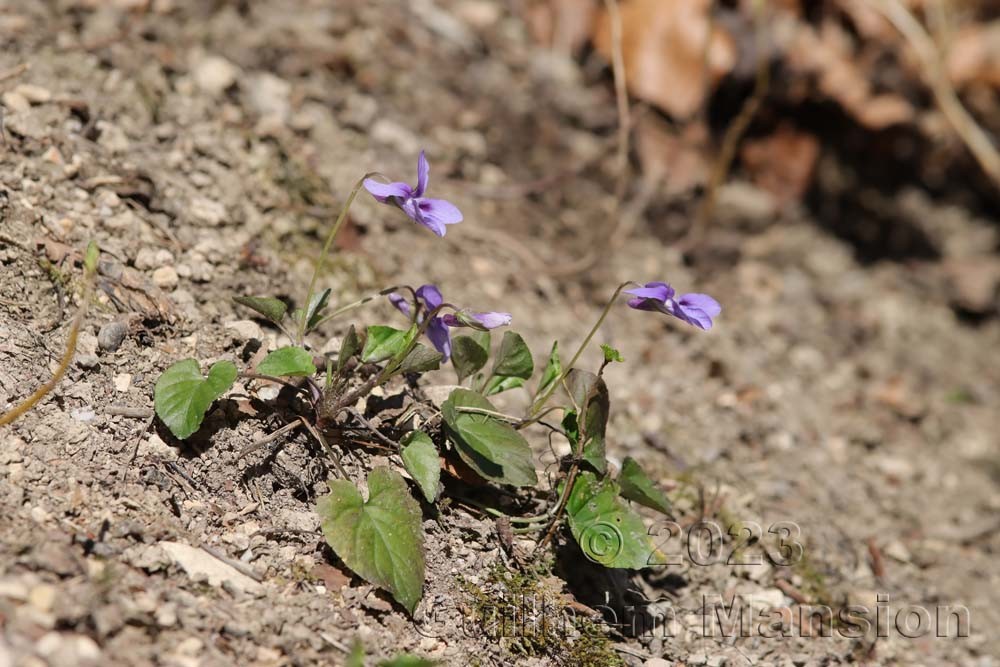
{"type": "Point", "coordinates": [637, 486]}
{"type": "Point", "coordinates": [607, 530]}
{"type": "Point", "coordinates": [287, 361]}
{"type": "Point", "coordinates": [381, 539]}
{"type": "Point", "coordinates": [420, 458]}
{"type": "Point", "coordinates": [385, 342]}
{"type": "Point", "coordinates": [468, 355]}
{"type": "Point", "coordinates": [489, 446]}
{"type": "Point", "coordinates": [271, 308]}
{"type": "Point", "coordinates": [182, 396]}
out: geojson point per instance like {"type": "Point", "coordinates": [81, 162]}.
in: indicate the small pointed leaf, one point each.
{"type": "Point", "coordinates": [638, 487]}
{"type": "Point", "coordinates": [271, 308]}
{"type": "Point", "coordinates": [421, 460]}
{"type": "Point", "coordinates": [500, 384]}
{"type": "Point", "coordinates": [513, 358]}
{"type": "Point", "coordinates": [349, 347]}
{"type": "Point", "coordinates": [287, 362]}
{"type": "Point", "coordinates": [385, 342]}
{"type": "Point", "coordinates": [421, 359]}
{"type": "Point", "coordinates": [314, 312]}
{"type": "Point", "coordinates": [381, 539]}
{"type": "Point", "coordinates": [553, 369]}
{"type": "Point", "coordinates": [182, 396]}
{"type": "Point", "coordinates": [468, 355]}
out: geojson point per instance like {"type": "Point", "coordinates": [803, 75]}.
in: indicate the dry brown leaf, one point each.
{"type": "Point", "coordinates": [333, 578]}
{"type": "Point", "coordinates": [663, 46]}
{"type": "Point", "coordinates": [782, 163]}
{"type": "Point", "coordinates": [829, 56]}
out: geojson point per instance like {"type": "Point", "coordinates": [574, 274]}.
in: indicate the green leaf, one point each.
{"type": "Point", "coordinates": [499, 384]}
{"type": "Point", "coordinates": [607, 530]}
{"type": "Point", "coordinates": [589, 392]}
{"type": "Point", "coordinates": [420, 458]}
{"type": "Point", "coordinates": [637, 486]}
{"type": "Point", "coordinates": [468, 355]}
{"type": "Point", "coordinates": [314, 313]}
{"type": "Point", "coordinates": [421, 359]}
{"type": "Point", "coordinates": [381, 539]}
{"type": "Point", "coordinates": [553, 369]}
{"type": "Point", "coordinates": [271, 308]}
{"type": "Point", "coordinates": [408, 661]}
{"type": "Point", "coordinates": [489, 446]}
{"type": "Point", "coordinates": [349, 347]}
{"type": "Point", "coordinates": [356, 658]}
{"type": "Point", "coordinates": [611, 354]}
{"type": "Point", "coordinates": [182, 396]}
{"type": "Point", "coordinates": [513, 358]}
{"type": "Point", "coordinates": [287, 361]}
{"type": "Point", "coordinates": [90, 258]}
{"type": "Point", "coordinates": [385, 342]}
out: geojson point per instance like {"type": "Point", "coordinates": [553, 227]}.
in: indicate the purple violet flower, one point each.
{"type": "Point", "coordinates": [434, 214]}
{"type": "Point", "coordinates": [428, 298]}
{"type": "Point", "coordinates": [695, 309]}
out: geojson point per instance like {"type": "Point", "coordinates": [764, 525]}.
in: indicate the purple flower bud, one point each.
{"type": "Point", "coordinates": [696, 309]}
{"type": "Point", "coordinates": [479, 321]}
{"type": "Point", "coordinates": [434, 214]}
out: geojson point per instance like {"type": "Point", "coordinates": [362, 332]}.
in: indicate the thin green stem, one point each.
{"type": "Point", "coordinates": [497, 513]}
{"type": "Point", "coordinates": [360, 302]}
{"type": "Point", "coordinates": [326, 251]}
{"type": "Point", "coordinates": [541, 400]}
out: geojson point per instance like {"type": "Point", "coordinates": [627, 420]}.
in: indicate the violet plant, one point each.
{"type": "Point", "coordinates": [379, 535]}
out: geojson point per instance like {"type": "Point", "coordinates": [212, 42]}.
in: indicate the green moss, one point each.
{"type": "Point", "coordinates": [529, 619]}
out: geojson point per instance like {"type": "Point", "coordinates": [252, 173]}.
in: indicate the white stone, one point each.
{"type": "Point", "coordinates": [165, 277]}
{"type": "Point", "coordinates": [198, 563]}
{"type": "Point", "coordinates": [215, 74]}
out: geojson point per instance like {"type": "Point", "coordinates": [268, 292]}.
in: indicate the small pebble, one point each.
{"type": "Point", "coordinates": [111, 335]}
{"type": "Point", "coordinates": [165, 277]}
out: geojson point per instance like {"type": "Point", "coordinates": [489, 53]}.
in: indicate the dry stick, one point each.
{"type": "Point", "coordinates": [962, 122]}
{"type": "Point", "coordinates": [253, 447]}
{"type": "Point", "coordinates": [621, 98]}
{"type": "Point", "coordinates": [735, 131]}
{"type": "Point", "coordinates": [90, 266]}
{"type": "Point", "coordinates": [231, 562]}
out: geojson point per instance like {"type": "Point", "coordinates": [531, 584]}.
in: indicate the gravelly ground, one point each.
{"type": "Point", "coordinates": [199, 146]}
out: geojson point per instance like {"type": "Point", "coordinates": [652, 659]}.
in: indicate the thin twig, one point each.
{"type": "Point", "coordinates": [15, 71]}
{"type": "Point", "coordinates": [736, 130]}
{"type": "Point", "coordinates": [314, 432]}
{"type": "Point", "coordinates": [389, 442]}
{"type": "Point", "coordinates": [291, 426]}
{"type": "Point", "coordinates": [128, 411]}
{"type": "Point", "coordinates": [231, 562]}
{"type": "Point", "coordinates": [962, 122]}
{"type": "Point", "coordinates": [621, 99]}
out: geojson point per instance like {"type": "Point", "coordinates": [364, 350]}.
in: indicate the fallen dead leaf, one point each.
{"type": "Point", "coordinates": [782, 163]}
{"type": "Point", "coordinates": [663, 46]}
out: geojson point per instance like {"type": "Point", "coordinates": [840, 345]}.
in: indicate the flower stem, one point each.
{"type": "Point", "coordinates": [360, 302]}
{"type": "Point", "coordinates": [540, 402]}
{"type": "Point", "coordinates": [326, 251]}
